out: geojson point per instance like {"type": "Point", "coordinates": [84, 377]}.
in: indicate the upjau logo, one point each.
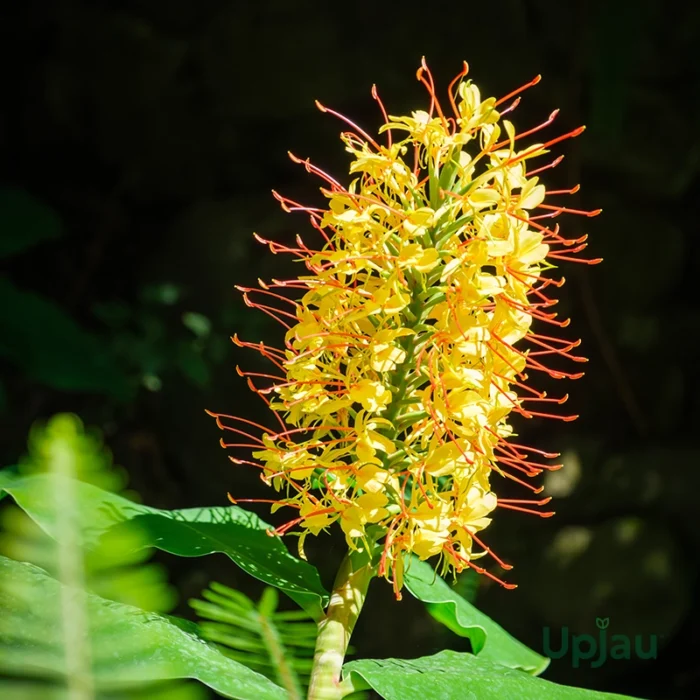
{"type": "Point", "coordinates": [586, 647]}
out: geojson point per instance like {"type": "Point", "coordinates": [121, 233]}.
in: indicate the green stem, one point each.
{"type": "Point", "coordinates": [335, 629]}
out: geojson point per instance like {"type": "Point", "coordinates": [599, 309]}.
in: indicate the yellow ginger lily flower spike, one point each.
{"type": "Point", "coordinates": [408, 340]}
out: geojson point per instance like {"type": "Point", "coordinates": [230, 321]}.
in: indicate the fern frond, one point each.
{"type": "Point", "coordinates": [51, 645]}
{"type": "Point", "coordinates": [279, 645]}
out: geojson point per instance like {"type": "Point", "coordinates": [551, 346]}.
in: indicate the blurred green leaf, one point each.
{"type": "Point", "coordinates": [450, 675]}
{"type": "Point", "coordinates": [40, 337]}
{"type": "Point", "coordinates": [488, 639]}
{"type": "Point", "coordinates": [153, 326]}
{"type": "Point", "coordinates": [25, 221]}
{"type": "Point", "coordinates": [193, 532]}
{"type": "Point", "coordinates": [152, 382]}
{"type": "Point", "coordinates": [113, 313]}
{"type": "Point", "coordinates": [164, 293]}
{"type": "Point", "coordinates": [199, 324]}
{"type": "Point", "coordinates": [158, 647]}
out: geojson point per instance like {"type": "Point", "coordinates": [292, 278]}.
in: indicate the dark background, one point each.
{"type": "Point", "coordinates": [140, 141]}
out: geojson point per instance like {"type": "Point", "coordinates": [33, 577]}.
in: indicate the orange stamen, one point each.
{"type": "Point", "coordinates": [375, 96]}
{"type": "Point", "coordinates": [351, 124]}
{"type": "Point", "coordinates": [532, 83]}
{"type": "Point", "coordinates": [456, 79]}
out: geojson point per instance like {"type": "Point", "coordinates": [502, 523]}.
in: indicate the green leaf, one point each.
{"type": "Point", "coordinates": [37, 335]}
{"type": "Point", "coordinates": [25, 221]}
{"type": "Point", "coordinates": [168, 690]}
{"type": "Point", "coordinates": [450, 675]}
{"type": "Point", "coordinates": [194, 532]}
{"type": "Point", "coordinates": [488, 639]}
{"type": "Point", "coordinates": [162, 648]}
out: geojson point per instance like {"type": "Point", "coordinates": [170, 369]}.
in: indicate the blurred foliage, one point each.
{"type": "Point", "coordinates": [149, 343]}
{"type": "Point", "coordinates": [76, 362]}
{"type": "Point", "coordinates": [140, 141]}
{"type": "Point", "coordinates": [57, 635]}
{"type": "Point", "coordinates": [115, 567]}
{"type": "Point", "coordinates": [25, 221]}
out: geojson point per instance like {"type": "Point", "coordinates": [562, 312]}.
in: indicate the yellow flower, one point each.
{"type": "Point", "coordinates": [373, 395]}
{"type": "Point", "coordinates": [420, 315]}
{"type": "Point", "coordinates": [368, 508]}
{"type": "Point", "coordinates": [431, 523]}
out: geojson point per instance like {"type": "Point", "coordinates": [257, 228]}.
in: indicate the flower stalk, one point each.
{"type": "Point", "coordinates": [335, 629]}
